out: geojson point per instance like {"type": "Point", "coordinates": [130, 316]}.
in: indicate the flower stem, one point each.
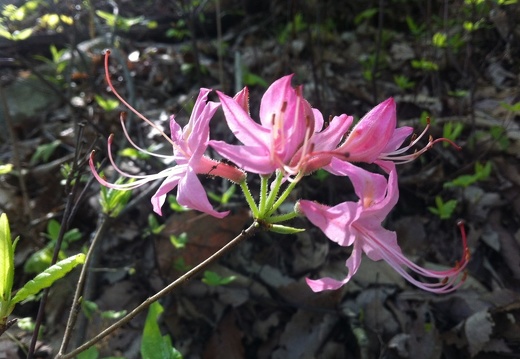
{"type": "Point", "coordinates": [76, 302]}
{"type": "Point", "coordinates": [249, 198]}
{"type": "Point", "coordinates": [283, 196]}
{"type": "Point", "coordinates": [273, 194]}
{"type": "Point", "coordinates": [263, 193]}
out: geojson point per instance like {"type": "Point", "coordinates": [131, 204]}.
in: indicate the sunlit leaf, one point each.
{"type": "Point", "coordinates": [48, 277]}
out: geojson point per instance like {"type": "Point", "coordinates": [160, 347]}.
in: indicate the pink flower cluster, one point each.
{"type": "Point", "coordinates": [291, 138]}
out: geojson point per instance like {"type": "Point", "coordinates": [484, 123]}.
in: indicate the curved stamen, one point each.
{"type": "Point", "coordinates": [137, 113]}
{"type": "Point", "coordinates": [122, 119]}
{"type": "Point", "coordinates": [396, 157]}
{"type": "Point", "coordinates": [102, 181]}
{"type": "Point", "coordinates": [450, 279]}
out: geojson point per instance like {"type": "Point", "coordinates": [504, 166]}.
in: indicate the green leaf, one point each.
{"type": "Point", "coordinates": [133, 153]}
{"type": "Point", "coordinates": [113, 201]}
{"type": "Point", "coordinates": [179, 241]}
{"type": "Point", "coordinates": [47, 277]}
{"type": "Point", "coordinates": [112, 314]}
{"type": "Point", "coordinates": [22, 34]}
{"type": "Point", "coordinates": [44, 152]}
{"type": "Point", "coordinates": [425, 65]}
{"type": "Point", "coordinates": [439, 39]}
{"type": "Point", "coordinates": [38, 261]}
{"type": "Point", "coordinates": [90, 353]}
{"type": "Point", "coordinates": [6, 266]}
{"type": "Point", "coordinates": [106, 104]}
{"type": "Point", "coordinates": [215, 279]}
{"type": "Point", "coordinates": [365, 15]}
{"type": "Point", "coordinates": [154, 225]}
{"type": "Point", "coordinates": [444, 209]}
{"type": "Point", "coordinates": [251, 79]}
{"type": "Point", "coordinates": [5, 169]}
{"type": "Point", "coordinates": [226, 196]}
{"type": "Point", "coordinates": [175, 206]}
{"type": "Point", "coordinates": [153, 344]}
{"type": "Point", "coordinates": [53, 229]}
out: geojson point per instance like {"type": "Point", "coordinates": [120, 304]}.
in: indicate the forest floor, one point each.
{"type": "Point", "coordinates": [456, 62]}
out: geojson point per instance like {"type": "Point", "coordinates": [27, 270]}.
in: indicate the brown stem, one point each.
{"type": "Point", "coordinates": [250, 231]}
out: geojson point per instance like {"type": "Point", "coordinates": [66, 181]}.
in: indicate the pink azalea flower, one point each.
{"type": "Point", "coordinates": [372, 139]}
{"type": "Point", "coordinates": [189, 145]}
{"type": "Point", "coordinates": [358, 224]}
{"type": "Point", "coordinates": [287, 122]}
{"type": "Point", "coordinates": [372, 134]}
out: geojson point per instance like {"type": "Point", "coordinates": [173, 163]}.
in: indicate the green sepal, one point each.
{"type": "Point", "coordinates": [278, 228]}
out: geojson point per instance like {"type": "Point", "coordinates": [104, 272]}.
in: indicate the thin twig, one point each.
{"type": "Point", "coordinates": [250, 231]}
{"type": "Point", "coordinates": [101, 228]}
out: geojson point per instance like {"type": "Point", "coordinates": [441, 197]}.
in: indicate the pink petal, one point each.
{"type": "Point", "coordinates": [353, 263]}
{"type": "Point", "coordinates": [400, 134]}
{"type": "Point", "coordinates": [333, 221]}
{"type": "Point", "coordinates": [242, 98]}
{"type": "Point", "coordinates": [249, 158]}
{"type": "Point", "coordinates": [278, 96]}
{"type": "Point", "coordinates": [168, 185]}
{"type": "Point", "coordinates": [329, 138]}
{"type": "Point", "coordinates": [243, 127]}
{"type": "Point", "coordinates": [372, 133]}
{"type": "Point", "coordinates": [191, 194]}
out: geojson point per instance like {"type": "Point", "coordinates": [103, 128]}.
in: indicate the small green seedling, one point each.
{"type": "Point", "coordinates": [175, 206]}
{"type": "Point", "coordinates": [225, 197]}
{"type": "Point", "coordinates": [179, 241]}
{"type": "Point", "coordinates": [90, 308]}
{"type": "Point", "coordinates": [107, 104]}
{"type": "Point", "coordinates": [451, 131]}
{"type": "Point", "coordinates": [134, 153]}
{"type": "Point", "coordinates": [41, 259]}
{"type": "Point", "coordinates": [403, 82]}
{"type": "Point", "coordinates": [425, 65]}
{"type": "Point", "coordinates": [44, 152]}
{"type": "Point", "coordinates": [154, 227]}
{"type": "Point", "coordinates": [125, 23]}
{"type": "Point", "coordinates": [215, 279]}
{"type": "Point", "coordinates": [482, 172]}
{"type": "Point", "coordinates": [444, 209]}
{"type": "Point", "coordinates": [113, 201]}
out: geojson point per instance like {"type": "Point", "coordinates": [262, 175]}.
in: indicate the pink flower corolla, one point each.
{"type": "Point", "coordinates": [189, 144]}
{"type": "Point", "coordinates": [287, 121]}
{"type": "Point", "coordinates": [358, 224]}
{"type": "Point", "coordinates": [372, 134]}
{"type": "Point", "coordinates": [373, 138]}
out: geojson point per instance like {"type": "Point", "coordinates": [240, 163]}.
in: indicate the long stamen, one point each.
{"type": "Point", "coordinates": [122, 119]}
{"type": "Point", "coordinates": [102, 181]}
{"type": "Point", "coordinates": [449, 279]}
{"type": "Point", "coordinates": [400, 159]}
{"type": "Point", "coordinates": [137, 113]}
